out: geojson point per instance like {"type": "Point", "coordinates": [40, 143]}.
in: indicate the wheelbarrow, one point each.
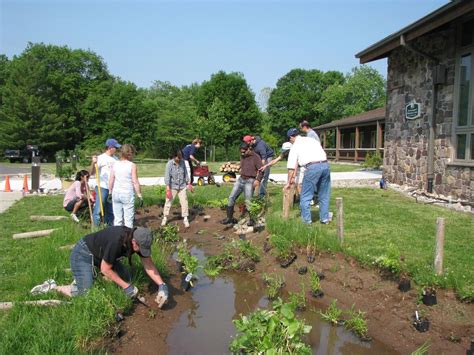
{"type": "Point", "coordinates": [202, 172]}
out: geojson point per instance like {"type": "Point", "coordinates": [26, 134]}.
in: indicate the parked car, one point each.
{"type": "Point", "coordinates": [22, 155]}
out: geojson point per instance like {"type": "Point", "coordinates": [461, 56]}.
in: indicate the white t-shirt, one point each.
{"type": "Point", "coordinates": [123, 177]}
{"type": "Point", "coordinates": [305, 150]}
{"type": "Point", "coordinates": [105, 162]}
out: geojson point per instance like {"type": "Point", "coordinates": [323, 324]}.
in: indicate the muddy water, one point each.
{"type": "Point", "coordinates": [207, 327]}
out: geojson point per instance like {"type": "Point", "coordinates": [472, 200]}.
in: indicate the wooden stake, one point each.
{"type": "Point", "coordinates": [9, 305]}
{"type": "Point", "coordinates": [439, 249]}
{"type": "Point", "coordinates": [34, 234]}
{"type": "Point", "coordinates": [88, 196]}
{"type": "Point", "coordinates": [288, 201]}
{"type": "Point", "coordinates": [47, 218]}
{"type": "Point", "coordinates": [340, 220]}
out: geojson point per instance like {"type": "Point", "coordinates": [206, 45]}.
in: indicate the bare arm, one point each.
{"type": "Point", "coordinates": [151, 270]}
{"type": "Point", "coordinates": [194, 159]}
{"type": "Point", "coordinates": [273, 162]}
{"type": "Point", "coordinates": [136, 184]}
{"type": "Point", "coordinates": [106, 269]}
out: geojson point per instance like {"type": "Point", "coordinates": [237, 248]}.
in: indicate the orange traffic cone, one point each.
{"type": "Point", "coordinates": [7, 184]}
{"type": "Point", "coordinates": [25, 184]}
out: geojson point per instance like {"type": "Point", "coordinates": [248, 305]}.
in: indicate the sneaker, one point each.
{"type": "Point", "coordinates": [45, 287]}
{"type": "Point", "coordinates": [311, 203]}
{"type": "Point", "coordinates": [74, 218]}
{"type": "Point", "coordinates": [186, 222]}
{"type": "Point", "coordinates": [330, 215]}
{"type": "Point", "coordinates": [163, 222]}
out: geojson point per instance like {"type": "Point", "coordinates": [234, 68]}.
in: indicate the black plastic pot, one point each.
{"type": "Point", "coordinates": [288, 261]}
{"type": "Point", "coordinates": [119, 317]}
{"type": "Point", "coordinates": [266, 247]}
{"type": "Point", "coordinates": [429, 297]}
{"type": "Point", "coordinates": [186, 282]}
{"type": "Point", "coordinates": [422, 324]}
{"type": "Point", "coordinates": [259, 228]}
{"type": "Point", "coordinates": [317, 294]}
{"type": "Point", "coordinates": [310, 259]}
{"type": "Point", "coordinates": [404, 284]}
{"type": "Point", "coordinates": [302, 270]}
{"type": "Point", "coordinates": [179, 264]}
{"type": "Point", "coordinates": [321, 275]}
{"type": "Point", "coordinates": [242, 237]}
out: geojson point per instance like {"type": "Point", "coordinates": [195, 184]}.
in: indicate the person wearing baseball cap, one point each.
{"type": "Point", "coordinates": [284, 152]}
{"type": "Point", "coordinates": [104, 163]}
{"type": "Point", "coordinates": [265, 153]}
{"type": "Point", "coordinates": [307, 152]}
{"type": "Point", "coordinates": [103, 250]}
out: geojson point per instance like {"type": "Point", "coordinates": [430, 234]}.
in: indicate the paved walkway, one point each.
{"type": "Point", "coordinates": [8, 198]}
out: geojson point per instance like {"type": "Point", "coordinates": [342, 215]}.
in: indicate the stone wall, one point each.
{"type": "Point", "coordinates": [406, 141]}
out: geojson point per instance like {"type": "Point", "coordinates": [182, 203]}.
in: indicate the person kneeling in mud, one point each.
{"type": "Point", "coordinates": [103, 249]}
{"type": "Point", "coordinates": [249, 180]}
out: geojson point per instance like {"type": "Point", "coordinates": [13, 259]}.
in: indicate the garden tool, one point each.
{"type": "Point", "coordinates": [88, 196]}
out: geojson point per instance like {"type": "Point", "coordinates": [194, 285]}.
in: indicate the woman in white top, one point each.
{"type": "Point", "coordinates": [123, 180]}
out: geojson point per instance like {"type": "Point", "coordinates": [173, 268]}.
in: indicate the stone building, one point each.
{"type": "Point", "coordinates": [429, 124]}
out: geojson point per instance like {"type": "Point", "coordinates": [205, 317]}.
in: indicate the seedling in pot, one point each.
{"type": "Point", "coordinates": [274, 283]}
{"type": "Point", "coordinates": [428, 296]}
{"type": "Point", "coordinates": [332, 314]}
{"type": "Point", "coordinates": [302, 270]}
{"type": "Point", "coordinates": [310, 251]}
{"type": "Point", "coordinates": [357, 324]}
{"type": "Point", "coordinates": [298, 299]}
{"type": "Point", "coordinates": [315, 284]}
{"type": "Point", "coordinates": [422, 324]}
{"type": "Point", "coordinates": [390, 263]}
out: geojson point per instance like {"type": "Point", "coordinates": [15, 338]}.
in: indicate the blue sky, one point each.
{"type": "Point", "coordinates": [186, 41]}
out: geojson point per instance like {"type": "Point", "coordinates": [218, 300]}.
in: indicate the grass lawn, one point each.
{"type": "Point", "coordinates": [373, 220]}
{"type": "Point", "coordinates": [158, 169]}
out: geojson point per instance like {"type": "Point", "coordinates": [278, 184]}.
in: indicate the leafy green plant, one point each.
{"type": "Point", "coordinates": [65, 172]}
{"type": "Point", "coordinates": [357, 323]}
{"type": "Point", "coordinates": [314, 281]}
{"type": "Point", "coordinates": [256, 206]}
{"type": "Point", "coordinates": [275, 331]}
{"type": "Point", "coordinates": [373, 161]}
{"type": "Point", "coordinates": [283, 246]}
{"type": "Point", "coordinates": [219, 203]}
{"type": "Point", "coordinates": [332, 314]}
{"type": "Point", "coordinates": [423, 349]}
{"type": "Point", "coordinates": [238, 255]}
{"type": "Point", "coordinates": [169, 233]}
{"type": "Point", "coordinates": [390, 262]}
{"type": "Point", "coordinates": [213, 266]}
{"type": "Point", "coordinates": [274, 283]}
{"type": "Point", "coordinates": [298, 299]}
{"type": "Point", "coordinates": [246, 249]}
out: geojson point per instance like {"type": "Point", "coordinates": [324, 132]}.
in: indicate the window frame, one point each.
{"type": "Point", "coordinates": [468, 130]}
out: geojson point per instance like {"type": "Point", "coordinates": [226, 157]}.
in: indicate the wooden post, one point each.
{"type": "Point", "coordinates": [35, 234]}
{"type": "Point", "coordinates": [378, 138]}
{"type": "Point", "coordinates": [439, 250]}
{"type": "Point", "coordinates": [340, 220]}
{"type": "Point", "coordinates": [356, 147]}
{"type": "Point", "coordinates": [338, 142]}
{"type": "Point", "coordinates": [288, 195]}
{"type": "Point", "coordinates": [324, 139]}
{"type": "Point", "coordinates": [9, 305]}
{"type": "Point", "coordinates": [48, 218]}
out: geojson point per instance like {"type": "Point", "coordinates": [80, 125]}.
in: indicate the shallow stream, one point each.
{"type": "Point", "coordinates": [207, 327]}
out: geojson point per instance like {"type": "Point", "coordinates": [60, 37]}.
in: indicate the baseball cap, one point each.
{"type": "Point", "coordinates": [286, 146]}
{"type": "Point", "coordinates": [144, 240]}
{"type": "Point", "coordinates": [247, 139]}
{"type": "Point", "coordinates": [292, 132]}
{"type": "Point", "coordinates": [111, 142]}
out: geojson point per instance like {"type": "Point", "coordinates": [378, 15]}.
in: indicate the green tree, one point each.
{"type": "Point", "coordinates": [236, 105]}
{"type": "Point", "coordinates": [362, 90]}
{"type": "Point", "coordinates": [295, 96]}
{"type": "Point", "coordinates": [43, 94]}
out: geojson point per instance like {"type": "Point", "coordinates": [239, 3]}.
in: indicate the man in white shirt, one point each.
{"type": "Point", "coordinates": [307, 152]}
{"type": "Point", "coordinates": [104, 162]}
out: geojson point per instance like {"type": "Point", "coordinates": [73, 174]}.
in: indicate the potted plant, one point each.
{"type": "Point", "coordinates": [428, 296]}
{"type": "Point", "coordinates": [315, 284]}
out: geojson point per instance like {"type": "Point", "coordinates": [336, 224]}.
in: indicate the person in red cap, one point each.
{"type": "Point", "coordinates": [266, 154]}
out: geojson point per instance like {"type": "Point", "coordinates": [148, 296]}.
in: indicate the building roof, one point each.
{"type": "Point", "coordinates": [432, 21]}
{"type": "Point", "coordinates": [364, 117]}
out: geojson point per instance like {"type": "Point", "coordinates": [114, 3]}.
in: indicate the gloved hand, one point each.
{"type": "Point", "coordinates": [131, 291]}
{"type": "Point", "coordinates": [169, 195]}
{"type": "Point", "coordinates": [162, 296]}
{"type": "Point", "coordinates": [140, 201]}
{"type": "Point", "coordinates": [109, 198]}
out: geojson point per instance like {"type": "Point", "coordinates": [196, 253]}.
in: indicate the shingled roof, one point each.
{"type": "Point", "coordinates": [364, 117]}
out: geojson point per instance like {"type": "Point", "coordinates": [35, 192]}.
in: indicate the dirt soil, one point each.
{"type": "Point", "coordinates": [389, 312]}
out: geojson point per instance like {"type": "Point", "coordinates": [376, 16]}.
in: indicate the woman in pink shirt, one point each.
{"type": "Point", "coordinates": [74, 200]}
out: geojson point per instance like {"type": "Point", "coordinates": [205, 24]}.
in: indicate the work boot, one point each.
{"type": "Point", "coordinates": [186, 222]}
{"type": "Point", "coordinates": [230, 216]}
{"type": "Point", "coordinates": [251, 222]}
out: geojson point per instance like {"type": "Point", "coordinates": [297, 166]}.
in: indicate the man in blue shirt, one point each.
{"type": "Point", "coordinates": [188, 155]}
{"type": "Point", "coordinates": [265, 153]}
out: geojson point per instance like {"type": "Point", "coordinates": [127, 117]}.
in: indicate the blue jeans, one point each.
{"type": "Point", "coordinates": [245, 185]}
{"type": "Point", "coordinates": [317, 178]}
{"type": "Point", "coordinates": [108, 209]}
{"type": "Point", "coordinates": [264, 182]}
{"type": "Point", "coordinates": [82, 268]}
{"type": "Point", "coordinates": [124, 208]}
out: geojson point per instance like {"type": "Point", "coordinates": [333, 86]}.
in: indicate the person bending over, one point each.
{"type": "Point", "coordinates": [74, 199]}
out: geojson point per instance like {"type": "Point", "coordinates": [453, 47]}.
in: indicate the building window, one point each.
{"type": "Point", "coordinates": [464, 110]}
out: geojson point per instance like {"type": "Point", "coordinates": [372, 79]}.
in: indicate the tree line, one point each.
{"type": "Point", "coordinates": [66, 99]}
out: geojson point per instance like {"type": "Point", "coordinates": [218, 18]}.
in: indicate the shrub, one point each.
{"type": "Point", "coordinates": [373, 161]}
